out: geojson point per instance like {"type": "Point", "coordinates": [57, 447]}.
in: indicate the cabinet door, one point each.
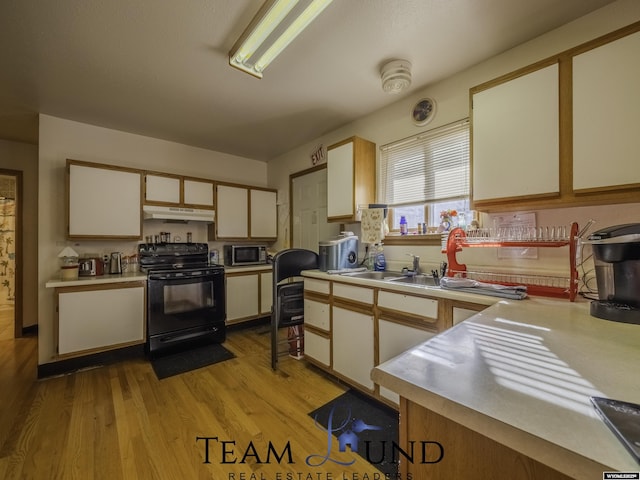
{"type": "Point", "coordinates": [198, 193]}
{"type": "Point", "coordinates": [99, 319]}
{"type": "Point", "coordinates": [162, 189]}
{"type": "Point", "coordinates": [340, 181]}
{"type": "Point", "coordinates": [242, 297]}
{"type": "Point", "coordinates": [395, 338]}
{"type": "Point", "coordinates": [266, 292]}
{"type": "Point", "coordinates": [232, 205]}
{"type": "Point", "coordinates": [605, 116]}
{"type": "Point", "coordinates": [516, 137]}
{"type": "Point", "coordinates": [263, 214]}
{"type": "Point", "coordinates": [353, 347]}
{"type": "Point", "coordinates": [103, 201]}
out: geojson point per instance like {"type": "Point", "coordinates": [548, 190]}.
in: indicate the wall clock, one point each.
{"type": "Point", "coordinates": [423, 111]}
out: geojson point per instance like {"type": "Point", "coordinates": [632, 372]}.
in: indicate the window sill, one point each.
{"type": "Point", "coordinates": [429, 239]}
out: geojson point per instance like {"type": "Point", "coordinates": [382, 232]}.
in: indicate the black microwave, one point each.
{"type": "Point", "coordinates": [239, 255]}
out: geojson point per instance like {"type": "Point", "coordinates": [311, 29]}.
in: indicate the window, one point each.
{"type": "Point", "coordinates": [422, 175]}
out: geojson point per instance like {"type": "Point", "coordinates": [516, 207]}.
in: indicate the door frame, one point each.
{"type": "Point", "coordinates": [19, 270]}
{"type": "Point", "coordinates": [293, 176]}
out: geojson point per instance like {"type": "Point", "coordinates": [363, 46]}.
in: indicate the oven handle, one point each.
{"type": "Point", "coordinates": [173, 338]}
{"type": "Point", "coordinates": [173, 276]}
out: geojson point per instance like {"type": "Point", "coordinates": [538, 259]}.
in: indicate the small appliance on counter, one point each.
{"type": "Point", "coordinates": [90, 267]}
{"type": "Point", "coordinates": [339, 253]}
{"type": "Point", "coordinates": [239, 255]}
{"type": "Point", "coordinates": [616, 252]}
{"type": "Point", "coordinates": [115, 263]}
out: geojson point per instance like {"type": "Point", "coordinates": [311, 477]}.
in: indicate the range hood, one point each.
{"type": "Point", "coordinates": [154, 212]}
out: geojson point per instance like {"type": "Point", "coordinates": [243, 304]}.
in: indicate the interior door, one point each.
{"type": "Point", "coordinates": [309, 210]}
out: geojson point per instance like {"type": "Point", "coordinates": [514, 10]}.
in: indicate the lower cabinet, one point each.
{"type": "Point", "coordinates": [393, 339]}
{"type": "Point", "coordinates": [349, 329]}
{"type": "Point", "coordinates": [97, 318]}
{"type": "Point", "coordinates": [249, 295]}
{"type": "Point", "coordinates": [353, 345]}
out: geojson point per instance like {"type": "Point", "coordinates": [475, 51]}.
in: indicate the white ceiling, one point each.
{"type": "Point", "coordinates": [160, 67]}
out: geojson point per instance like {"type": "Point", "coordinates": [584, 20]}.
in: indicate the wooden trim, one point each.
{"type": "Point", "coordinates": [316, 296]}
{"type": "Point", "coordinates": [91, 351]}
{"type": "Point", "coordinates": [407, 319]}
{"type": "Point", "coordinates": [318, 331]}
{"type": "Point", "coordinates": [432, 239]}
{"type": "Point", "coordinates": [18, 320]}
{"type": "Point", "coordinates": [365, 308]}
{"type": "Point", "coordinates": [410, 320]}
{"type": "Point", "coordinates": [101, 286]}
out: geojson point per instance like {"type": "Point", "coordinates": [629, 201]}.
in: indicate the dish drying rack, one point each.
{"type": "Point", "coordinates": [544, 237]}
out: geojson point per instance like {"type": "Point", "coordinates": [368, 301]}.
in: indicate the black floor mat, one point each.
{"type": "Point", "coordinates": [362, 421]}
{"type": "Point", "coordinates": [181, 362]}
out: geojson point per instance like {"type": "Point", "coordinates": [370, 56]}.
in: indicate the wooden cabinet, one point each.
{"type": "Point", "coordinates": [248, 295]}
{"type": "Point", "coordinates": [351, 328]}
{"type": "Point", "coordinates": [353, 345]}
{"type": "Point", "coordinates": [351, 177]}
{"type": "Point", "coordinates": [232, 212]}
{"type": "Point", "coordinates": [245, 213]}
{"type": "Point", "coordinates": [168, 189]}
{"type": "Point", "coordinates": [395, 337]}
{"type": "Point", "coordinates": [561, 132]}
{"type": "Point", "coordinates": [516, 126]}
{"type": "Point", "coordinates": [605, 116]}
{"type": "Point", "coordinates": [103, 201]}
{"type": "Point", "coordinates": [242, 297]}
{"type": "Point", "coordinates": [162, 189]}
{"type": "Point", "coordinates": [263, 214]}
{"type": "Point", "coordinates": [317, 322]}
{"type": "Point", "coordinates": [266, 292]}
{"type": "Point", "coordinates": [197, 193]}
{"type": "Point", "coordinates": [97, 318]}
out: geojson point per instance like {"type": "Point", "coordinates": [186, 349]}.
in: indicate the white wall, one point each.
{"type": "Point", "coordinates": [24, 157]}
{"type": "Point", "coordinates": [452, 97]}
{"type": "Point", "coordinates": [61, 139]}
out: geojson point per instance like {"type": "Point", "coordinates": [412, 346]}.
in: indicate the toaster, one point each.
{"type": "Point", "coordinates": [339, 253]}
{"type": "Point", "coordinates": [90, 267]}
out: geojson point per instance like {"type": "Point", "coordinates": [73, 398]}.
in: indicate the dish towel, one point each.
{"type": "Point", "coordinates": [517, 292]}
{"type": "Point", "coordinates": [372, 225]}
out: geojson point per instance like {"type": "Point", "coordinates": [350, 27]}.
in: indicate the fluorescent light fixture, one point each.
{"type": "Point", "coordinates": [274, 27]}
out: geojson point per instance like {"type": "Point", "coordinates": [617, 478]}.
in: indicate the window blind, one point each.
{"type": "Point", "coordinates": [429, 167]}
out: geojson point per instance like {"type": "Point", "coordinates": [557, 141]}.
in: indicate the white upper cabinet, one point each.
{"type": "Point", "coordinates": [245, 213]}
{"type": "Point", "coordinates": [198, 193]}
{"type": "Point", "coordinates": [232, 215]}
{"type": "Point", "coordinates": [351, 177]}
{"type": "Point", "coordinates": [606, 109]}
{"type": "Point", "coordinates": [103, 201]}
{"type": "Point", "coordinates": [516, 125]}
{"type": "Point", "coordinates": [263, 214]}
{"type": "Point", "coordinates": [167, 189]}
{"type": "Point", "coordinates": [162, 188]}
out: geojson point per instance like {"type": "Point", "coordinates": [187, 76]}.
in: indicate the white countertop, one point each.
{"type": "Point", "coordinates": [521, 373]}
{"type": "Point", "coordinates": [97, 280]}
{"type": "Point", "coordinates": [248, 268]}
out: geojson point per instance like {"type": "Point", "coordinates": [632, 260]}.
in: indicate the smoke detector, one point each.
{"type": "Point", "coordinates": [396, 76]}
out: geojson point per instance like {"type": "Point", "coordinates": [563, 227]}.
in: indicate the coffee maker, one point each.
{"type": "Point", "coordinates": [616, 252]}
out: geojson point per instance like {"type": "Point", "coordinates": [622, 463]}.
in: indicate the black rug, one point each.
{"type": "Point", "coordinates": [181, 362]}
{"type": "Point", "coordinates": [368, 426]}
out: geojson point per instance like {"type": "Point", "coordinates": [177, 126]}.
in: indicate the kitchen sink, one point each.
{"type": "Point", "coordinates": [386, 275]}
{"type": "Point", "coordinates": [425, 280]}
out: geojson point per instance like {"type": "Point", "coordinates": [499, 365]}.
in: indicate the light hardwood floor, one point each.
{"type": "Point", "coordinates": [120, 422]}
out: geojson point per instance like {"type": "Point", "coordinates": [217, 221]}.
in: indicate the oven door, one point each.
{"type": "Point", "coordinates": [184, 306]}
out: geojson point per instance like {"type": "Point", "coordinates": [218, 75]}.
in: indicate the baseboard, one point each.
{"type": "Point", "coordinates": [30, 330]}
{"type": "Point", "coordinates": [71, 365]}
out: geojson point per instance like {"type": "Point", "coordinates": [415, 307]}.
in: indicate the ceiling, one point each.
{"type": "Point", "coordinates": [160, 68]}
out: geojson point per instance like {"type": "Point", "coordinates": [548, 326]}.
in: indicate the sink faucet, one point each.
{"type": "Point", "coordinates": [416, 263]}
